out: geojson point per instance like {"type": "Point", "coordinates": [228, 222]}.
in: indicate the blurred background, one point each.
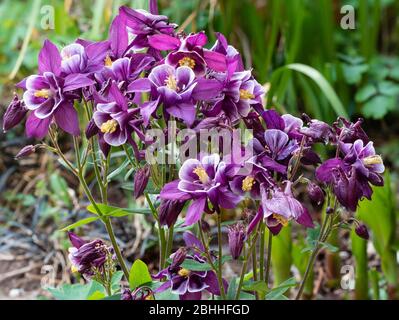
{"type": "Point", "coordinates": [309, 61]}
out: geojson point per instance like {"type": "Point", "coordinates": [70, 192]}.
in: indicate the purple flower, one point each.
{"type": "Point", "coordinates": [14, 114]}
{"type": "Point", "coordinates": [143, 24]}
{"type": "Point", "coordinates": [201, 180]}
{"type": "Point", "coordinates": [237, 236]}
{"type": "Point", "coordinates": [362, 232]}
{"type": "Point", "coordinates": [317, 130]}
{"type": "Point", "coordinates": [349, 132]}
{"type": "Point", "coordinates": [113, 118]}
{"type": "Point", "coordinates": [281, 207]}
{"type": "Point", "coordinates": [51, 96]}
{"type": "Point", "coordinates": [88, 257]}
{"type": "Point", "coordinates": [350, 176]}
{"type": "Point", "coordinates": [188, 284]}
{"type": "Point", "coordinates": [141, 293]}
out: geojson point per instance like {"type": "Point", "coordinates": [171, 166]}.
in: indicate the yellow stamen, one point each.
{"type": "Point", "coordinates": [74, 269]}
{"type": "Point", "coordinates": [375, 159]}
{"type": "Point", "coordinates": [107, 61]}
{"type": "Point", "coordinates": [43, 93]}
{"type": "Point", "coordinates": [171, 82]}
{"type": "Point", "coordinates": [183, 272]}
{"type": "Point", "coordinates": [150, 297]}
{"type": "Point", "coordinates": [188, 62]}
{"type": "Point", "coordinates": [109, 126]}
{"type": "Point", "coordinates": [281, 219]}
{"type": "Point", "coordinates": [201, 173]}
{"type": "Point", "coordinates": [245, 94]}
{"type": "Point", "coordinates": [248, 183]}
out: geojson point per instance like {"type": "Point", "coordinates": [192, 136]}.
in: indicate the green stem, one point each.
{"type": "Point", "coordinates": [170, 242]}
{"type": "Point", "coordinates": [220, 265]}
{"type": "Point", "coordinates": [262, 251]}
{"type": "Point", "coordinates": [162, 238]}
{"type": "Point", "coordinates": [322, 237]}
{"type": "Point", "coordinates": [245, 265]}
{"type": "Point", "coordinates": [210, 260]}
{"type": "Point", "coordinates": [269, 258]}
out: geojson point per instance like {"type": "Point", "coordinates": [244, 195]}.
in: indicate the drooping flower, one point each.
{"type": "Point", "coordinates": [281, 207]}
{"type": "Point", "coordinates": [169, 211]}
{"type": "Point", "coordinates": [141, 180]}
{"type": "Point", "coordinates": [88, 258]}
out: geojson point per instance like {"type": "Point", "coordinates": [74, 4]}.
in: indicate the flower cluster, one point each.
{"type": "Point", "coordinates": [112, 93]}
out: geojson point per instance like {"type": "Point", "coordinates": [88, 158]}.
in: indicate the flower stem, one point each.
{"type": "Point", "coordinates": [209, 257]}
{"type": "Point", "coordinates": [245, 265]}
{"type": "Point", "coordinates": [269, 258]}
{"type": "Point", "coordinates": [262, 251]}
{"type": "Point", "coordinates": [322, 237]}
{"type": "Point", "coordinates": [220, 265]}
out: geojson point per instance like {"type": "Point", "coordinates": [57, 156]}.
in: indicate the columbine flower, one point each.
{"type": "Point", "coordinates": [317, 130]}
{"type": "Point", "coordinates": [237, 237]}
{"type": "Point", "coordinates": [112, 118]}
{"type": "Point", "coordinates": [201, 180]}
{"type": "Point", "coordinates": [141, 293]}
{"type": "Point", "coordinates": [25, 151]}
{"type": "Point", "coordinates": [281, 207]}
{"type": "Point", "coordinates": [50, 96]}
{"type": "Point", "coordinates": [173, 88]}
{"type": "Point", "coordinates": [350, 176]}
{"type": "Point", "coordinates": [88, 258]}
{"type": "Point", "coordinates": [143, 24]}
{"type": "Point", "coordinates": [349, 132]}
{"type": "Point", "coordinates": [14, 114]}
{"type": "Point", "coordinates": [188, 284]}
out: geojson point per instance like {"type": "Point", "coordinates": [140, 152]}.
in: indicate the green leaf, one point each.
{"type": "Point", "coordinates": [111, 211]}
{"type": "Point", "coordinates": [231, 291]}
{"type": "Point", "coordinates": [116, 281]}
{"type": "Point", "coordinates": [259, 286]}
{"type": "Point", "coordinates": [365, 93]}
{"type": "Point", "coordinates": [378, 106]}
{"type": "Point", "coordinates": [321, 82]}
{"type": "Point", "coordinates": [139, 274]}
{"type": "Point", "coordinates": [194, 265]}
{"type": "Point", "coordinates": [78, 291]}
{"type": "Point", "coordinates": [278, 292]}
{"type": "Point", "coordinates": [388, 88]}
{"type": "Point", "coordinates": [80, 223]}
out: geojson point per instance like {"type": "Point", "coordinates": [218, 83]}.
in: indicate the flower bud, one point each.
{"type": "Point", "coordinates": [25, 151]}
{"type": "Point", "coordinates": [362, 232]}
{"type": "Point", "coordinates": [140, 181]}
{"type": "Point", "coordinates": [318, 130]}
{"type": "Point", "coordinates": [91, 129]}
{"type": "Point", "coordinates": [76, 241]}
{"type": "Point", "coordinates": [178, 257]}
{"type": "Point", "coordinates": [169, 210]}
{"type": "Point", "coordinates": [236, 236]}
{"type": "Point", "coordinates": [14, 114]}
{"type": "Point", "coordinates": [316, 194]}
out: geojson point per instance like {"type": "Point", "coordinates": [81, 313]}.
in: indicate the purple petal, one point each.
{"type": "Point", "coordinates": [37, 128]}
{"type": "Point", "coordinates": [163, 42]}
{"type": "Point", "coordinates": [305, 219]}
{"type": "Point", "coordinates": [324, 173]}
{"type": "Point", "coordinates": [207, 89]}
{"type": "Point", "coordinates": [273, 120]}
{"type": "Point", "coordinates": [195, 211]}
{"type": "Point", "coordinates": [76, 81]}
{"type": "Point", "coordinates": [215, 61]}
{"type": "Point", "coordinates": [171, 192]}
{"type": "Point", "coordinates": [67, 118]}
{"type": "Point", "coordinates": [118, 36]}
{"type": "Point", "coordinates": [49, 58]}
{"type": "Point", "coordinates": [192, 241]}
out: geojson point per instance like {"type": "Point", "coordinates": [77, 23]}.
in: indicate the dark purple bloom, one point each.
{"type": "Point", "coordinates": [350, 176]}
{"type": "Point", "coordinates": [237, 235]}
{"type": "Point", "coordinates": [88, 257]}
{"type": "Point", "coordinates": [14, 114]}
{"type": "Point", "coordinates": [317, 130]}
{"type": "Point", "coordinates": [349, 132]}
